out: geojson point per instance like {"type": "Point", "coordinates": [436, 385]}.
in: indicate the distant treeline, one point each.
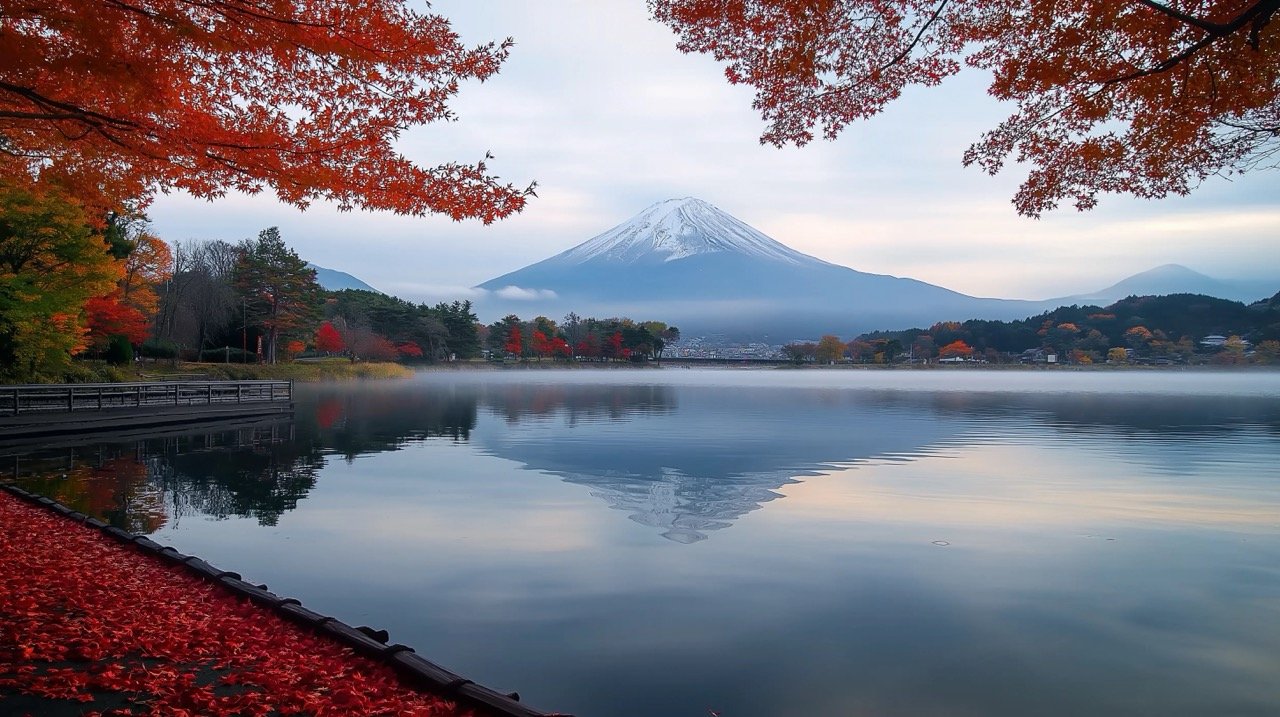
{"type": "Point", "coordinates": [258, 300]}
{"type": "Point", "coordinates": [376, 325]}
{"type": "Point", "coordinates": [1169, 328]}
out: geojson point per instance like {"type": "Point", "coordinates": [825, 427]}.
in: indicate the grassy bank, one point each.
{"type": "Point", "coordinates": [304, 371]}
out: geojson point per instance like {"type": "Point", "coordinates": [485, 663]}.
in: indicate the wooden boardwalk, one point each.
{"type": "Point", "coordinates": [49, 409]}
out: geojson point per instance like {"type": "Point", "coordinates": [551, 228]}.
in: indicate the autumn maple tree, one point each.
{"type": "Point", "coordinates": [129, 308]}
{"type": "Point", "coordinates": [328, 339]}
{"type": "Point", "coordinates": [409, 349]}
{"type": "Point", "coordinates": [116, 100]}
{"type": "Point", "coordinates": [1127, 96]}
{"type": "Point", "coordinates": [109, 316]}
{"type": "Point", "coordinates": [514, 344]}
{"type": "Point", "coordinates": [956, 349]}
{"type": "Point", "coordinates": [51, 264]}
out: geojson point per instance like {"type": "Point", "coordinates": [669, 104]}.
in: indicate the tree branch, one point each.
{"type": "Point", "coordinates": [1210, 27]}
{"type": "Point", "coordinates": [1258, 14]}
{"type": "Point", "coordinates": [84, 115]}
{"type": "Point", "coordinates": [906, 52]}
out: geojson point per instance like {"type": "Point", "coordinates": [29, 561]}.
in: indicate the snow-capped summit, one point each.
{"type": "Point", "coordinates": [695, 266]}
{"type": "Point", "coordinates": [677, 229]}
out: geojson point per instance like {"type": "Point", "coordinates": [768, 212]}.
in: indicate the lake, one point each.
{"type": "Point", "coordinates": [757, 543]}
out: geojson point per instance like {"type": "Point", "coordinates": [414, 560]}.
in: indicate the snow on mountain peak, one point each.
{"type": "Point", "coordinates": [677, 229]}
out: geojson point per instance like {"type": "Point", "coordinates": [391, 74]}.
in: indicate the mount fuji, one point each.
{"type": "Point", "coordinates": [688, 263]}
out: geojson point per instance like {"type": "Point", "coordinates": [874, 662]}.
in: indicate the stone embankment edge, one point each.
{"type": "Point", "coordinates": [413, 669]}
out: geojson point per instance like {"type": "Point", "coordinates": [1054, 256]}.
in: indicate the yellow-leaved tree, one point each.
{"type": "Point", "coordinates": [51, 264]}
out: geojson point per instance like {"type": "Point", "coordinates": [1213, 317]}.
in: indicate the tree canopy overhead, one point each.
{"type": "Point", "coordinates": [1127, 96]}
{"type": "Point", "coordinates": [116, 99]}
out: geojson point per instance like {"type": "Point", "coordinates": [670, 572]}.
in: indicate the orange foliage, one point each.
{"type": "Point", "coordinates": [109, 316]}
{"type": "Point", "coordinates": [129, 309]}
{"type": "Point", "coordinates": [1129, 96]}
{"type": "Point", "coordinates": [149, 265]}
{"type": "Point", "coordinates": [307, 97]}
{"type": "Point", "coordinates": [956, 349]}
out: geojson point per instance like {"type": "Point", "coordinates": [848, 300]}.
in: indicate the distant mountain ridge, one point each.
{"type": "Point", "coordinates": [1171, 279]}
{"type": "Point", "coordinates": [334, 280]}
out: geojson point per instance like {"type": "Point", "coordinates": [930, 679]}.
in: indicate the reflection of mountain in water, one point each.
{"type": "Point", "coordinates": [684, 507]}
{"type": "Point", "coordinates": [723, 454]}
{"type": "Point", "coordinates": [685, 460]}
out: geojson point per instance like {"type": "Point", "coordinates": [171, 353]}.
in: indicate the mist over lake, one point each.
{"type": "Point", "coordinates": [757, 543]}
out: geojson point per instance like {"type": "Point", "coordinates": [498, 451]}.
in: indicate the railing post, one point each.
{"type": "Point", "coordinates": [99, 398]}
{"type": "Point", "coordinates": [239, 392]}
{"type": "Point", "coordinates": [71, 399]}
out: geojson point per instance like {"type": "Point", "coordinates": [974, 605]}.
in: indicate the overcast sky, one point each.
{"type": "Point", "coordinates": [599, 107]}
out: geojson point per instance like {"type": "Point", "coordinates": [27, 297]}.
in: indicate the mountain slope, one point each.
{"type": "Point", "coordinates": [1170, 279]}
{"type": "Point", "coordinates": [334, 280]}
{"type": "Point", "coordinates": [686, 262]}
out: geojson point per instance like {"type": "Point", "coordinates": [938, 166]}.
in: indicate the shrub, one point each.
{"type": "Point", "coordinates": [159, 349]}
{"type": "Point", "coordinates": [228, 354]}
{"type": "Point", "coordinates": [119, 350]}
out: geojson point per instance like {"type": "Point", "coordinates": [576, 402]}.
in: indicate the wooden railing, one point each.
{"type": "Point", "coordinates": [79, 397]}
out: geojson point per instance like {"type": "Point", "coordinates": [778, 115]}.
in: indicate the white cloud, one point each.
{"type": "Point", "coordinates": [434, 293]}
{"type": "Point", "coordinates": [516, 293]}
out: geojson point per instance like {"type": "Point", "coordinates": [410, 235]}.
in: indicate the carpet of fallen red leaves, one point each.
{"type": "Point", "coordinates": [83, 617]}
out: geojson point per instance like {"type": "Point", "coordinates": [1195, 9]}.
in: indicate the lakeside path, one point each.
{"type": "Point", "coordinates": [93, 626]}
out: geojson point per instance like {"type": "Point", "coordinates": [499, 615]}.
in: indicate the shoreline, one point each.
{"type": "Point", "coordinates": [338, 371]}
{"type": "Point", "coordinates": [161, 638]}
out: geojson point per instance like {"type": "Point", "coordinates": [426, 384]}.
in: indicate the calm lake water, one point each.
{"type": "Point", "coordinates": [758, 543]}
